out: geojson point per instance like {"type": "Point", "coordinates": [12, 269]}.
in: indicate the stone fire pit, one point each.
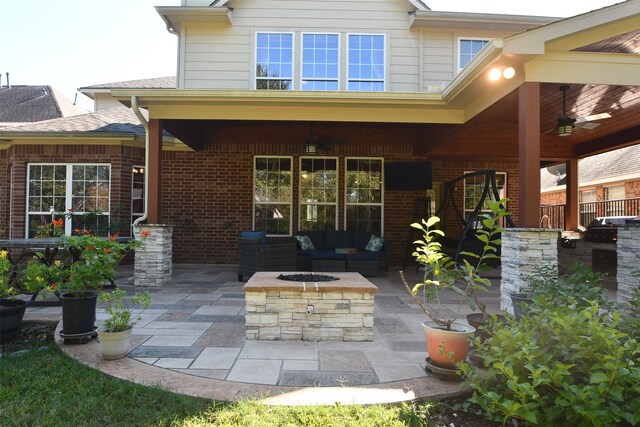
{"type": "Point", "coordinates": [309, 310]}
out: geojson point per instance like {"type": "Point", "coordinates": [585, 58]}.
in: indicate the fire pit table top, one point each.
{"type": "Point", "coordinates": [348, 282]}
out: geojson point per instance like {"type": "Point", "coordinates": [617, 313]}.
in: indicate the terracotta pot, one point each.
{"type": "Point", "coordinates": [441, 342]}
{"type": "Point", "coordinates": [11, 314]}
{"type": "Point", "coordinates": [114, 345]}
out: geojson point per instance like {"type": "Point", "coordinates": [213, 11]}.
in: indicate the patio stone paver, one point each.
{"type": "Point", "coordinates": [223, 335]}
{"type": "Point", "coordinates": [256, 371]}
{"type": "Point", "coordinates": [216, 358]}
{"type": "Point", "coordinates": [192, 341]}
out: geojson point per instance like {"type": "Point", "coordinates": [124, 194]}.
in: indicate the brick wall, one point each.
{"type": "Point", "coordinates": [14, 165]}
{"type": "Point", "coordinates": [207, 195]}
{"type": "Point", "coordinates": [553, 198]}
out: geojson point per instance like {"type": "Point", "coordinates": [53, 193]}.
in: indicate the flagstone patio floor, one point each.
{"type": "Point", "coordinates": [192, 341]}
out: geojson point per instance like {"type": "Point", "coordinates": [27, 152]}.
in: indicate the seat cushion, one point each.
{"type": "Point", "coordinates": [339, 239]}
{"type": "Point", "coordinates": [326, 255]}
{"type": "Point", "coordinates": [316, 237]}
{"type": "Point", "coordinates": [364, 256]}
{"type": "Point", "coordinates": [250, 234]}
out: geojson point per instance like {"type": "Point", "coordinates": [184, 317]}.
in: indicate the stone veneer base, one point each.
{"type": "Point", "coordinates": [277, 309]}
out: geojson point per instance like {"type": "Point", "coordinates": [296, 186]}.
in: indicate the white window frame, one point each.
{"type": "Point", "coordinates": [459, 45]}
{"type": "Point", "coordinates": [301, 204]}
{"type": "Point", "coordinates": [293, 59]}
{"type": "Point", "coordinates": [381, 204]}
{"type": "Point", "coordinates": [68, 194]}
{"type": "Point", "coordinates": [338, 64]}
{"type": "Point", "coordinates": [253, 194]}
{"type": "Point", "coordinates": [620, 211]}
{"type": "Point", "coordinates": [384, 65]}
{"type": "Point", "coordinates": [464, 192]}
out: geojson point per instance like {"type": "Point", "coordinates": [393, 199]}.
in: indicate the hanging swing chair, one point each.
{"type": "Point", "coordinates": [467, 239]}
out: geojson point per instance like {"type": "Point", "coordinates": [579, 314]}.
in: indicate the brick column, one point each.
{"type": "Point", "coordinates": [153, 263]}
{"type": "Point", "coordinates": [522, 249]}
{"type": "Point", "coordinates": [628, 248]}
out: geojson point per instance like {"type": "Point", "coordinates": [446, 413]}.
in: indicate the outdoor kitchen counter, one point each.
{"type": "Point", "coordinates": [338, 310]}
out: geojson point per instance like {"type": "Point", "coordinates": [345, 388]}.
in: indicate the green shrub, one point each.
{"type": "Point", "coordinates": [564, 365]}
{"type": "Point", "coordinates": [581, 286]}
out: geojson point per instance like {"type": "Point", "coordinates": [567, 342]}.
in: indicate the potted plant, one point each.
{"type": "Point", "coordinates": [115, 337]}
{"type": "Point", "coordinates": [448, 339]}
{"type": "Point", "coordinates": [11, 309]}
{"type": "Point", "coordinates": [88, 263]}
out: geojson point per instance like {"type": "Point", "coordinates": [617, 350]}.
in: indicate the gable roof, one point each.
{"type": "Point", "coordinates": [113, 120]}
{"type": "Point", "coordinates": [20, 104]}
{"type": "Point", "coordinates": [609, 166]}
{"type": "Point", "coordinates": [152, 83]}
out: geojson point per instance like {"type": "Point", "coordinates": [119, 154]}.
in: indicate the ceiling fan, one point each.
{"type": "Point", "coordinates": [313, 143]}
{"type": "Point", "coordinates": [565, 124]}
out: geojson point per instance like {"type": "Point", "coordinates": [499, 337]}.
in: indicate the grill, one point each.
{"type": "Point", "coordinates": [605, 229]}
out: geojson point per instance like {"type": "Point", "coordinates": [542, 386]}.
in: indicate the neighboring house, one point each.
{"type": "Point", "coordinates": [289, 113]}
{"type": "Point", "coordinates": [20, 104]}
{"type": "Point", "coordinates": [612, 177]}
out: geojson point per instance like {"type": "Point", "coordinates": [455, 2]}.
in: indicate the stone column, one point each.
{"type": "Point", "coordinates": [153, 263]}
{"type": "Point", "coordinates": [628, 248]}
{"type": "Point", "coordinates": [522, 250]}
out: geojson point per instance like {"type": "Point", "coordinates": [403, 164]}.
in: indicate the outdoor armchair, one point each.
{"type": "Point", "coordinates": [257, 254]}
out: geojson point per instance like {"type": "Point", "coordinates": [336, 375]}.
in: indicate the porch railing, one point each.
{"type": "Point", "coordinates": [553, 216]}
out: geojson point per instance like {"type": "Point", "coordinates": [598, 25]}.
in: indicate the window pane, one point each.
{"type": "Point", "coordinates": [318, 193]}
{"type": "Point", "coordinates": [274, 59]}
{"type": "Point", "coordinates": [363, 192]}
{"type": "Point", "coordinates": [320, 62]}
{"type": "Point", "coordinates": [272, 194]}
{"type": "Point", "coordinates": [366, 62]}
{"type": "Point", "coordinates": [468, 49]}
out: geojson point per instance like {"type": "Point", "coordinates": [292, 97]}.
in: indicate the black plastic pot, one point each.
{"type": "Point", "coordinates": [520, 302]}
{"type": "Point", "coordinates": [78, 313]}
{"type": "Point", "coordinates": [11, 314]}
{"type": "Point", "coordinates": [477, 320]}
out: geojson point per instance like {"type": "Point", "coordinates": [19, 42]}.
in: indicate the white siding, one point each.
{"type": "Point", "coordinates": [222, 56]}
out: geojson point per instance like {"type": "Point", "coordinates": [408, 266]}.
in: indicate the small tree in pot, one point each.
{"type": "Point", "coordinates": [116, 335]}
{"type": "Point", "coordinates": [448, 340]}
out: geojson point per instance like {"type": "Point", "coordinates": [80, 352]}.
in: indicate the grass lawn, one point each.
{"type": "Point", "coordinates": [42, 386]}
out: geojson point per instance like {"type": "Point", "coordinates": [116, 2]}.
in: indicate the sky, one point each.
{"type": "Point", "coordinates": [69, 44]}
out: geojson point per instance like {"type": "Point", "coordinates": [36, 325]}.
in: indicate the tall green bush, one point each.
{"type": "Point", "coordinates": [564, 365]}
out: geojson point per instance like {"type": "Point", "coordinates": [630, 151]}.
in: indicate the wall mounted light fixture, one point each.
{"type": "Point", "coordinates": [501, 72]}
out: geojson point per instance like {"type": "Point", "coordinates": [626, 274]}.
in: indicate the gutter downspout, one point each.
{"type": "Point", "coordinates": [145, 125]}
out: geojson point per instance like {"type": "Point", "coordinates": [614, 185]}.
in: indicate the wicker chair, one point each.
{"type": "Point", "coordinates": [265, 257]}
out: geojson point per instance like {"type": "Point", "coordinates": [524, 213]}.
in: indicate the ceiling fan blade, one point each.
{"type": "Point", "coordinates": [593, 117]}
{"type": "Point", "coordinates": [587, 125]}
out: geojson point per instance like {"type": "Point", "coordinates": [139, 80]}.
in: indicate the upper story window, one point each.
{"type": "Point", "coordinates": [468, 49]}
{"type": "Point", "coordinates": [320, 64]}
{"type": "Point", "coordinates": [274, 61]}
{"type": "Point", "coordinates": [366, 66]}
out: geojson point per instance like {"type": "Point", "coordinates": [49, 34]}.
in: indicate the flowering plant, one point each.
{"type": "Point", "coordinates": [7, 290]}
{"type": "Point", "coordinates": [54, 229]}
{"type": "Point", "coordinates": [90, 261]}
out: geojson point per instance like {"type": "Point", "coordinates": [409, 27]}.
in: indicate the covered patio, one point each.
{"type": "Point", "coordinates": [192, 341]}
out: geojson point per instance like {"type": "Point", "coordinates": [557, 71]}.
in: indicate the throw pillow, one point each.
{"type": "Point", "coordinates": [375, 244]}
{"type": "Point", "coordinates": [305, 243]}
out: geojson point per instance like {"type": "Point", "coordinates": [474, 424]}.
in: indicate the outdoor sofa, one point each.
{"type": "Point", "coordinates": [341, 250]}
